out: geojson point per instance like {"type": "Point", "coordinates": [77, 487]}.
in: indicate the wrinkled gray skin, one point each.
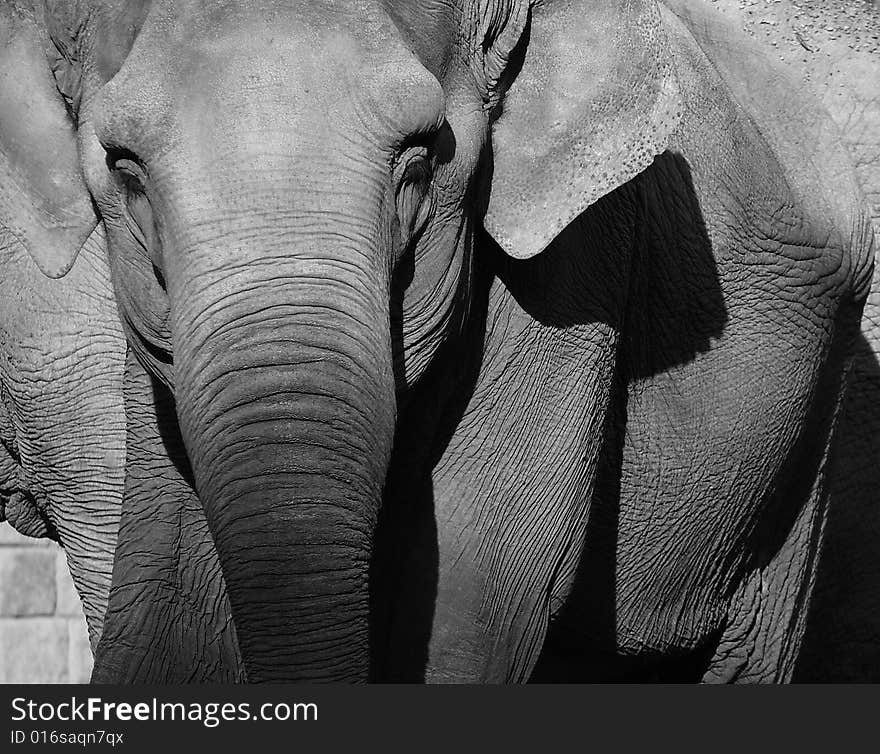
{"type": "Point", "coordinates": [835, 47]}
{"type": "Point", "coordinates": [63, 471]}
{"type": "Point", "coordinates": [451, 357]}
{"type": "Point", "coordinates": [61, 358]}
{"type": "Point", "coordinates": [62, 425]}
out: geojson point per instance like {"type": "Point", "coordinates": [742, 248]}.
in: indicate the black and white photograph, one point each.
{"type": "Point", "coordinates": [462, 342]}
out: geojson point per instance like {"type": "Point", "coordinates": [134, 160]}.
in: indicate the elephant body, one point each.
{"type": "Point", "coordinates": [842, 639]}
{"type": "Point", "coordinates": [634, 576]}
{"type": "Point", "coordinates": [833, 47]}
{"type": "Point", "coordinates": [475, 341]}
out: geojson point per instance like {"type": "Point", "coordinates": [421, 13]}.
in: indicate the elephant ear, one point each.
{"type": "Point", "coordinates": [44, 203]}
{"type": "Point", "coordinates": [592, 105]}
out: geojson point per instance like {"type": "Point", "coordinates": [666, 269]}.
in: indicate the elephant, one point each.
{"type": "Point", "coordinates": [842, 637]}
{"type": "Point", "coordinates": [65, 470]}
{"type": "Point", "coordinates": [833, 47]}
{"type": "Point", "coordinates": [62, 350]}
{"type": "Point", "coordinates": [463, 339]}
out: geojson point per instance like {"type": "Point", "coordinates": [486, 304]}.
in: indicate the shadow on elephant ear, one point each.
{"type": "Point", "coordinates": [675, 304]}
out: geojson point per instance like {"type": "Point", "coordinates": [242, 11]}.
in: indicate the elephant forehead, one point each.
{"type": "Point", "coordinates": [215, 57]}
{"type": "Point", "coordinates": [233, 23]}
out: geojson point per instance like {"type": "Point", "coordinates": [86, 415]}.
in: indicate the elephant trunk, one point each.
{"type": "Point", "coordinates": [285, 394]}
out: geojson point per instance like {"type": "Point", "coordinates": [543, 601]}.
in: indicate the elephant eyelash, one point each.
{"type": "Point", "coordinates": [417, 170]}
{"type": "Point", "coordinates": [128, 169]}
{"type": "Point", "coordinates": [413, 178]}
{"type": "Point", "coordinates": [138, 216]}
{"type": "Point", "coordinates": [412, 148]}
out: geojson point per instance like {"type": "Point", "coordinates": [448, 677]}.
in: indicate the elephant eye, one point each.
{"type": "Point", "coordinates": [138, 217]}
{"type": "Point", "coordinates": [413, 192]}
{"type": "Point", "coordinates": [127, 169]}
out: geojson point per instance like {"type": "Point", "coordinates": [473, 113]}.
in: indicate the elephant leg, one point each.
{"type": "Point", "coordinates": [764, 636]}
{"type": "Point", "coordinates": [168, 619]}
{"type": "Point", "coordinates": [507, 541]}
{"type": "Point", "coordinates": [767, 619]}
{"type": "Point", "coordinates": [842, 639]}
{"type": "Point", "coordinates": [508, 500]}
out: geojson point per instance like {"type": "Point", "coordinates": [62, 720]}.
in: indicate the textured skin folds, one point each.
{"type": "Point", "coordinates": [590, 118]}
{"type": "Point", "coordinates": [467, 341]}
{"type": "Point", "coordinates": [736, 576]}
{"type": "Point", "coordinates": [64, 396]}
{"type": "Point", "coordinates": [61, 346]}
{"type": "Point", "coordinates": [286, 398]}
{"type": "Point", "coordinates": [168, 616]}
{"type": "Point", "coordinates": [832, 47]}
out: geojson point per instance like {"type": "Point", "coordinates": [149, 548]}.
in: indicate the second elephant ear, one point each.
{"type": "Point", "coordinates": [592, 105]}
{"type": "Point", "coordinates": [44, 203]}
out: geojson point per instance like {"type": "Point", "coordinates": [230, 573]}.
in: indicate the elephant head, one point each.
{"type": "Point", "coordinates": [291, 200]}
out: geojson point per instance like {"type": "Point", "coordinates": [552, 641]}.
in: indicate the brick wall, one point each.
{"type": "Point", "coordinates": [43, 637]}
